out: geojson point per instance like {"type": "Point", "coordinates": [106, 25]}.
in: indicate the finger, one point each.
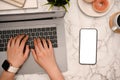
{"type": "Point", "coordinates": [27, 50]}
{"type": "Point", "coordinates": [36, 46]}
{"type": "Point", "coordinates": [22, 45]}
{"type": "Point", "coordinates": [39, 44]}
{"type": "Point", "coordinates": [16, 38]}
{"type": "Point", "coordinates": [50, 44]}
{"type": "Point", "coordinates": [9, 43]}
{"type": "Point", "coordinates": [19, 38]}
{"type": "Point", "coordinates": [13, 41]}
{"type": "Point", "coordinates": [34, 54]}
{"type": "Point", "coordinates": [44, 44]}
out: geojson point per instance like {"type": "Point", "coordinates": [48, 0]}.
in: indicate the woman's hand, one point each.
{"type": "Point", "coordinates": [17, 52]}
{"type": "Point", "coordinates": [44, 56]}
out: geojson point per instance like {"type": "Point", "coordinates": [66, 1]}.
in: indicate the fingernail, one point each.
{"type": "Point", "coordinates": [34, 39]}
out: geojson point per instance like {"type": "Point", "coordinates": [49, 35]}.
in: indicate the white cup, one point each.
{"type": "Point", "coordinates": [116, 22]}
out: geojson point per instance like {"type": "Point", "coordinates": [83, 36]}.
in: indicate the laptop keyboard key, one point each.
{"type": "Point", "coordinates": [1, 45]}
{"type": "Point", "coordinates": [1, 49]}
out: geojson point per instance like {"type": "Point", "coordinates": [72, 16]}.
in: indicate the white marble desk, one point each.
{"type": "Point", "coordinates": [108, 49]}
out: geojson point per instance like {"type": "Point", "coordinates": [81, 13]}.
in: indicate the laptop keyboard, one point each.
{"type": "Point", "coordinates": [47, 33]}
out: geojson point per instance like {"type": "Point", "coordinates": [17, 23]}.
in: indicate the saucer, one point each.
{"type": "Point", "coordinates": [111, 23]}
{"type": "Point", "coordinates": [88, 10]}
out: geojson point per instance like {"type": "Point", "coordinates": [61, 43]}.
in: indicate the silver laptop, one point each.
{"type": "Point", "coordinates": [44, 24]}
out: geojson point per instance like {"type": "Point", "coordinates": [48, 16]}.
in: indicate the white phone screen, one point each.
{"type": "Point", "coordinates": [88, 46]}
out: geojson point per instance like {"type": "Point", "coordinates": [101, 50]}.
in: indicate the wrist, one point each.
{"type": "Point", "coordinates": [13, 63]}
{"type": "Point", "coordinates": [55, 74]}
{"type": "Point", "coordinates": [9, 68]}
{"type": "Point", "coordinates": [9, 73]}
{"type": "Point", "coordinates": [52, 69]}
{"type": "Point", "coordinates": [7, 76]}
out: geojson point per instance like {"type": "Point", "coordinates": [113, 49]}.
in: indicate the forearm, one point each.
{"type": "Point", "coordinates": [7, 76]}
{"type": "Point", "coordinates": [55, 74]}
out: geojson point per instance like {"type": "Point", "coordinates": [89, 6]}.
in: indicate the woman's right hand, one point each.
{"type": "Point", "coordinates": [44, 56]}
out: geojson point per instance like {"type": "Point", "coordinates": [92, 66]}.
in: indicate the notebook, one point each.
{"type": "Point", "coordinates": [18, 4]}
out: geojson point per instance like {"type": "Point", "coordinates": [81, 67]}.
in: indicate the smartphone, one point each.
{"type": "Point", "coordinates": [88, 46]}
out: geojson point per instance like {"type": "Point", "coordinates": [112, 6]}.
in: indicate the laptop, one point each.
{"type": "Point", "coordinates": [48, 25]}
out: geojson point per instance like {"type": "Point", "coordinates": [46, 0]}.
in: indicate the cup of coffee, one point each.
{"type": "Point", "coordinates": [116, 22]}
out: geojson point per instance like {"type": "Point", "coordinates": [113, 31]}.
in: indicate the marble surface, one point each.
{"type": "Point", "coordinates": [108, 52]}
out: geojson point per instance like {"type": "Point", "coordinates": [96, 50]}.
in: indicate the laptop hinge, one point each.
{"type": "Point", "coordinates": [31, 16]}
{"type": "Point", "coordinates": [8, 21]}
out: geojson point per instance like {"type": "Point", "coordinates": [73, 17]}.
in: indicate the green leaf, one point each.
{"type": "Point", "coordinates": [65, 8]}
{"type": "Point", "coordinates": [55, 1]}
{"type": "Point", "coordinates": [68, 3]}
{"type": "Point", "coordinates": [51, 6]}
